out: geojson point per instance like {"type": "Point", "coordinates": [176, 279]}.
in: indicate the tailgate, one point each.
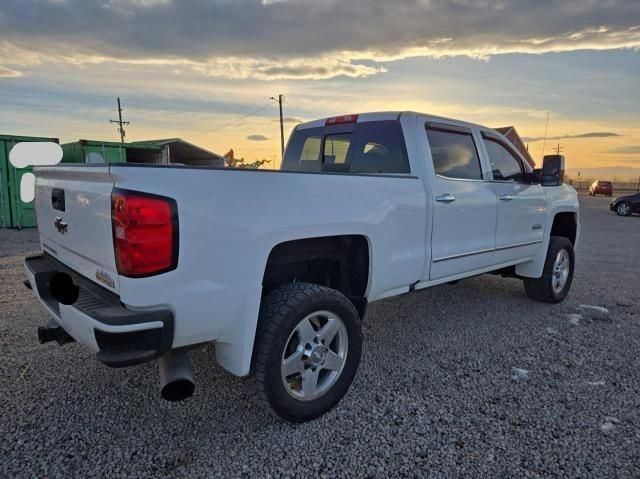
{"type": "Point", "coordinates": [73, 208]}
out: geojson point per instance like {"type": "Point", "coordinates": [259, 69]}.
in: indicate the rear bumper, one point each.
{"type": "Point", "coordinates": [119, 336]}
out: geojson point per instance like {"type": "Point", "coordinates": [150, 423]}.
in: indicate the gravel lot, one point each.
{"type": "Point", "coordinates": [436, 395]}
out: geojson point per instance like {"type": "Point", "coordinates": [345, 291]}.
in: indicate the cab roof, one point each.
{"type": "Point", "coordinates": [390, 115]}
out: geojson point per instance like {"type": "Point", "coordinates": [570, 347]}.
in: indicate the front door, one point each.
{"type": "Point", "coordinates": [522, 206]}
{"type": "Point", "coordinates": [464, 203]}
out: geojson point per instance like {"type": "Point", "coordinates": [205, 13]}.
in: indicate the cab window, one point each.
{"type": "Point", "coordinates": [453, 152]}
{"type": "Point", "coordinates": [372, 147]}
{"type": "Point", "coordinates": [504, 164]}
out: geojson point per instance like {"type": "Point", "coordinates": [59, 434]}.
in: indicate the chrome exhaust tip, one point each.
{"type": "Point", "coordinates": [176, 376]}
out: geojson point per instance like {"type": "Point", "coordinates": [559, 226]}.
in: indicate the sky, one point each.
{"type": "Point", "coordinates": [204, 70]}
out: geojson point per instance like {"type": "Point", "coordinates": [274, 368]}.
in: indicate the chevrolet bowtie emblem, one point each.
{"type": "Point", "coordinates": [60, 225]}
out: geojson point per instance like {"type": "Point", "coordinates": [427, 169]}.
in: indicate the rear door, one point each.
{"type": "Point", "coordinates": [73, 207]}
{"type": "Point", "coordinates": [464, 203]}
{"type": "Point", "coordinates": [522, 206]}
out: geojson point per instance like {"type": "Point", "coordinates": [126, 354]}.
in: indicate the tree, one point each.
{"type": "Point", "coordinates": [232, 162]}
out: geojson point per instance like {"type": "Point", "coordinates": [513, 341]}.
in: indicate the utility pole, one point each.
{"type": "Point", "coordinates": [558, 149]}
{"type": "Point", "coordinates": [280, 99]}
{"type": "Point", "coordinates": [579, 181]}
{"type": "Point", "coordinates": [120, 123]}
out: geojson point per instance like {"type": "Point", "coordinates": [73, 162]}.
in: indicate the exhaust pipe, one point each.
{"type": "Point", "coordinates": [176, 376]}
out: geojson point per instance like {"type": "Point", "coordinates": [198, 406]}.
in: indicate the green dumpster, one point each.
{"type": "Point", "coordinates": [91, 151]}
{"type": "Point", "coordinates": [95, 151]}
{"type": "Point", "coordinates": [14, 213]}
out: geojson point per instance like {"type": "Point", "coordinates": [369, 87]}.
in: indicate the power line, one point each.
{"type": "Point", "coordinates": [304, 112]}
{"type": "Point", "coordinates": [237, 120]}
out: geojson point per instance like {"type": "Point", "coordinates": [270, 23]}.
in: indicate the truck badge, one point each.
{"type": "Point", "coordinates": [60, 225]}
{"type": "Point", "coordinates": [104, 278]}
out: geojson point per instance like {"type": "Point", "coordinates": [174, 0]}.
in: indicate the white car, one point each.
{"type": "Point", "coordinates": [141, 262]}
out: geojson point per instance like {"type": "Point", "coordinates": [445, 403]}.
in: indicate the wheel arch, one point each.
{"type": "Point", "coordinates": [565, 224]}
{"type": "Point", "coordinates": [562, 222]}
{"type": "Point", "coordinates": [300, 259]}
{"type": "Point", "coordinates": [340, 262]}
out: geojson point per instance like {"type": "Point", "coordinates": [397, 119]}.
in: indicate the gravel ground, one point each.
{"type": "Point", "coordinates": [466, 380]}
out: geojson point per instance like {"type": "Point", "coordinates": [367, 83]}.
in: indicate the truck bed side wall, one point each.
{"type": "Point", "coordinates": [229, 222]}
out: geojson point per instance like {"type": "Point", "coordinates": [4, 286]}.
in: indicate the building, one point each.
{"type": "Point", "coordinates": [176, 150]}
{"type": "Point", "coordinates": [512, 135]}
{"type": "Point", "coordinates": [158, 152]}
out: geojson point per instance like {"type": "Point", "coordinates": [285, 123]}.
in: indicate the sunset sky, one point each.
{"type": "Point", "coordinates": [194, 68]}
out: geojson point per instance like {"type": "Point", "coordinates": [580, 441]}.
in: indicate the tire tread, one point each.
{"type": "Point", "coordinates": [275, 306]}
{"type": "Point", "coordinates": [539, 289]}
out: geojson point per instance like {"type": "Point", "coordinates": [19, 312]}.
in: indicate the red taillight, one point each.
{"type": "Point", "coordinates": [145, 233]}
{"type": "Point", "coordinates": [338, 120]}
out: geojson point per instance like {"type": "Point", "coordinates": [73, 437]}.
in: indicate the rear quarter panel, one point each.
{"type": "Point", "coordinates": [229, 222]}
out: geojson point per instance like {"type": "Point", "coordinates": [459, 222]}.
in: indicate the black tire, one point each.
{"type": "Point", "coordinates": [541, 289]}
{"type": "Point", "coordinates": [621, 211]}
{"type": "Point", "coordinates": [281, 312]}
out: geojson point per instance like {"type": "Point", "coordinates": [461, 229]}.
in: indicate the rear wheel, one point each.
{"type": "Point", "coordinates": [623, 208]}
{"type": "Point", "coordinates": [557, 274]}
{"type": "Point", "coordinates": [307, 350]}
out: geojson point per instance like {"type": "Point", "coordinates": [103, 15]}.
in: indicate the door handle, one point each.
{"type": "Point", "coordinates": [506, 197]}
{"type": "Point", "coordinates": [446, 198]}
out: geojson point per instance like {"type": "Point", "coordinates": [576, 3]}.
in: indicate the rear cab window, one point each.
{"type": "Point", "coordinates": [372, 147]}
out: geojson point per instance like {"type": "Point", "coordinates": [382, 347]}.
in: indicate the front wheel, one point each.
{"type": "Point", "coordinates": [623, 209]}
{"type": "Point", "coordinates": [307, 350]}
{"type": "Point", "coordinates": [557, 274]}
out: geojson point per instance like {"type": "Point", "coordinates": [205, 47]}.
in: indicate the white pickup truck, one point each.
{"type": "Point", "coordinates": [276, 268]}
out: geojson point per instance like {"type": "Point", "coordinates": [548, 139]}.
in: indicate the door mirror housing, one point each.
{"type": "Point", "coordinates": [552, 171]}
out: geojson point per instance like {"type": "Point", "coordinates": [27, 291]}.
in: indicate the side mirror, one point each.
{"type": "Point", "coordinates": [552, 173]}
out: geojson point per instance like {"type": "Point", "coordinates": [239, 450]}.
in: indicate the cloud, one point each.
{"type": "Point", "coordinates": [290, 120]}
{"type": "Point", "coordinates": [285, 69]}
{"type": "Point", "coordinates": [592, 134]}
{"type": "Point", "coordinates": [257, 138]}
{"type": "Point", "coordinates": [9, 73]}
{"type": "Point", "coordinates": [625, 150]}
{"type": "Point", "coordinates": [307, 39]}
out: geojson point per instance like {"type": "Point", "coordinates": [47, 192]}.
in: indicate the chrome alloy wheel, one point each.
{"type": "Point", "coordinates": [623, 209]}
{"type": "Point", "coordinates": [561, 268]}
{"type": "Point", "coordinates": [314, 355]}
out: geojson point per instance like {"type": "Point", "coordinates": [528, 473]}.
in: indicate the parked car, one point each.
{"type": "Point", "coordinates": [626, 205]}
{"type": "Point", "coordinates": [144, 262]}
{"type": "Point", "coordinates": [601, 188]}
